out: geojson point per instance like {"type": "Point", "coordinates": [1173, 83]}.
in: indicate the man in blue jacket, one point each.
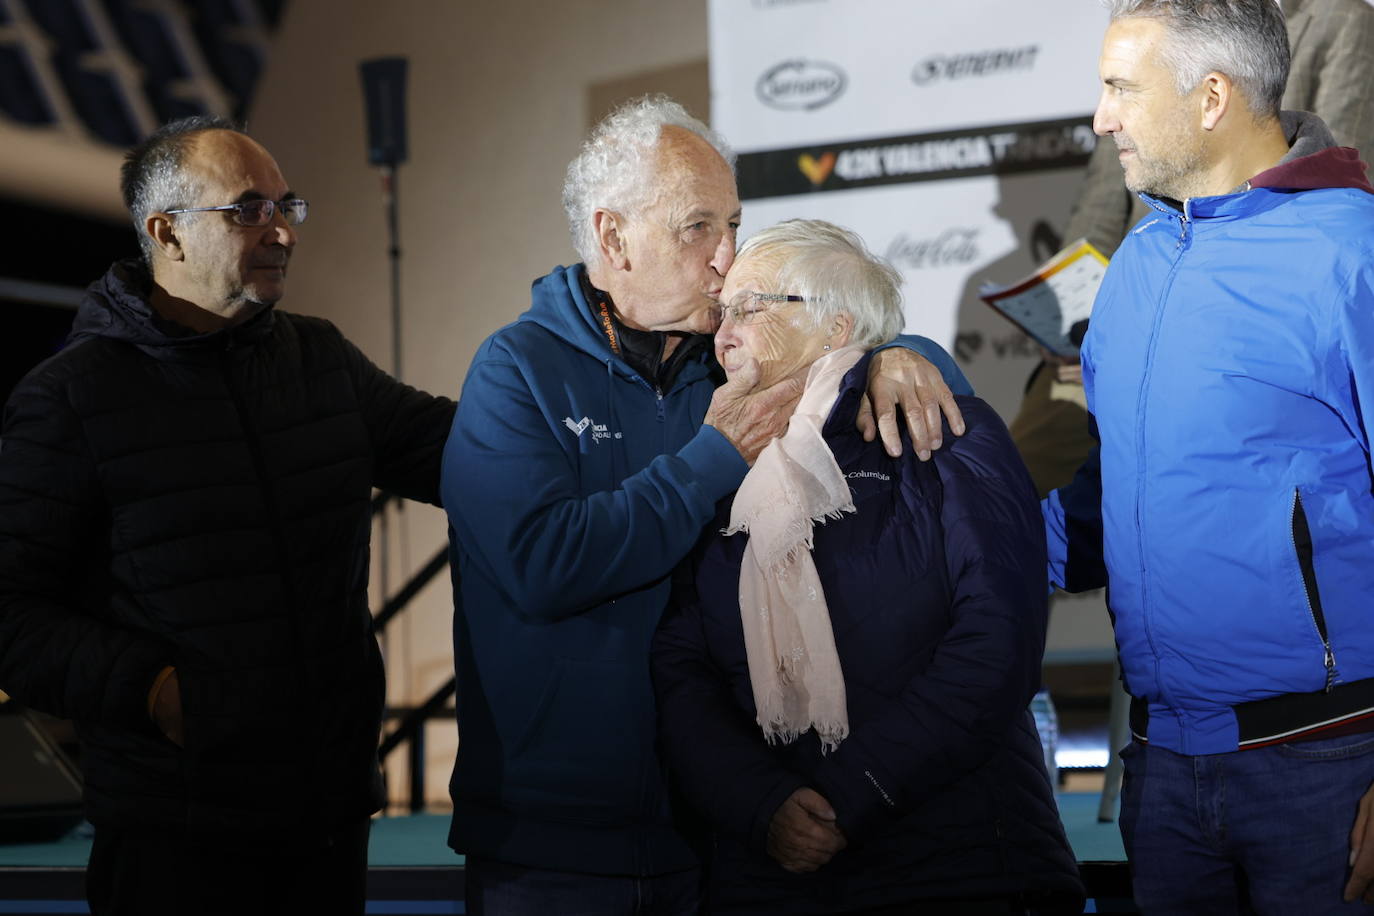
{"type": "Point", "coordinates": [1230, 372]}
{"type": "Point", "coordinates": [577, 474]}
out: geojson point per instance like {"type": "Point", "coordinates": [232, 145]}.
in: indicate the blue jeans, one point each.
{"type": "Point", "coordinates": [1258, 831]}
{"type": "Point", "coordinates": [501, 889]}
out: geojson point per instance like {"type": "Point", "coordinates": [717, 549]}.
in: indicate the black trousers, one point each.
{"type": "Point", "coordinates": [142, 871]}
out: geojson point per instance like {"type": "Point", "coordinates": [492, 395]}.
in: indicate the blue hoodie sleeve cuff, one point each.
{"type": "Point", "coordinates": [717, 465]}
{"type": "Point", "coordinates": [949, 370]}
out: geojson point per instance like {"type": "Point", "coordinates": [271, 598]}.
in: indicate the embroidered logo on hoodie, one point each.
{"type": "Point", "coordinates": [579, 427]}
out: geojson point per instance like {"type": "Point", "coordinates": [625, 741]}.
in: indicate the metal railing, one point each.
{"type": "Point", "coordinates": [411, 729]}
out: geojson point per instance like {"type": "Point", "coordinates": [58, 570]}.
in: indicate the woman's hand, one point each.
{"type": "Point", "coordinates": [803, 834]}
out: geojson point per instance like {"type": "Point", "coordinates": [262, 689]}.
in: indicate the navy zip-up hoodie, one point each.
{"type": "Point", "coordinates": [573, 489]}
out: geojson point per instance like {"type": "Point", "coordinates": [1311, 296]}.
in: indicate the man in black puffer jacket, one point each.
{"type": "Point", "coordinates": [184, 528]}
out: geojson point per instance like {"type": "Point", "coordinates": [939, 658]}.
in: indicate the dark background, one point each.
{"type": "Point", "coordinates": [69, 251]}
{"type": "Point", "coordinates": [50, 247]}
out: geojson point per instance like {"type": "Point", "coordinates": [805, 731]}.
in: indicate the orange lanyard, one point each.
{"type": "Point", "coordinates": [609, 327]}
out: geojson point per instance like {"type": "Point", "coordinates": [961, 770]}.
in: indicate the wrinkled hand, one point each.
{"type": "Point", "coordinates": [1361, 883]}
{"type": "Point", "coordinates": [751, 418]}
{"type": "Point", "coordinates": [167, 710]}
{"type": "Point", "coordinates": [803, 834]}
{"type": "Point", "coordinates": [899, 379]}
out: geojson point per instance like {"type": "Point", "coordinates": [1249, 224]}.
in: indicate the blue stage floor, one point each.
{"type": "Point", "coordinates": [414, 873]}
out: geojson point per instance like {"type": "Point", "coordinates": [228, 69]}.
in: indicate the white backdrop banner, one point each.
{"type": "Point", "coordinates": [950, 136]}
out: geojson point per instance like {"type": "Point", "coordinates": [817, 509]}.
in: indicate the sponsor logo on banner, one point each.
{"type": "Point", "coordinates": [969, 345]}
{"type": "Point", "coordinates": [800, 85]}
{"type": "Point", "coordinates": [994, 150]}
{"type": "Point", "coordinates": [940, 67]}
{"type": "Point", "coordinates": [816, 170]}
{"type": "Point", "coordinates": [956, 246]}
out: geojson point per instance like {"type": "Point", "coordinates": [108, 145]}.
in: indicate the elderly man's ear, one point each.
{"type": "Point", "coordinates": [607, 225]}
{"type": "Point", "coordinates": [160, 230]}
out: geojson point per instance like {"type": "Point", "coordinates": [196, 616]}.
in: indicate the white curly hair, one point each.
{"type": "Point", "coordinates": [614, 168]}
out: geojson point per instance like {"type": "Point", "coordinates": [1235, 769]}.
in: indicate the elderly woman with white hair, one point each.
{"type": "Point", "coordinates": [843, 677]}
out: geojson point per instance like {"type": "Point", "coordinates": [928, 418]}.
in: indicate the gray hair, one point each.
{"type": "Point", "coordinates": [614, 170]}
{"type": "Point", "coordinates": [834, 272]}
{"type": "Point", "coordinates": [153, 179]}
{"type": "Point", "coordinates": [1246, 40]}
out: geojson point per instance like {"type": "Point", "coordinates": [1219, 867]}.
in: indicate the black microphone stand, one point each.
{"type": "Point", "coordinates": [384, 100]}
{"type": "Point", "coordinates": [389, 200]}
{"type": "Point", "coordinates": [388, 172]}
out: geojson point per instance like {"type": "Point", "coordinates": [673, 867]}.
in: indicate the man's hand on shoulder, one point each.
{"type": "Point", "coordinates": [750, 417]}
{"type": "Point", "coordinates": [901, 380]}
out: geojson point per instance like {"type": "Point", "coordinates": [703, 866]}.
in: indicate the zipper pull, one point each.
{"type": "Point", "coordinates": [1330, 669]}
{"type": "Point", "coordinates": [1183, 225]}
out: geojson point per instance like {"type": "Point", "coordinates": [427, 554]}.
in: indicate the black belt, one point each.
{"type": "Point", "coordinates": [1344, 709]}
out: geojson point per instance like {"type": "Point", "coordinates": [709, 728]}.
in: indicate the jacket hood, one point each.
{"type": "Point", "coordinates": [1314, 161]}
{"type": "Point", "coordinates": [116, 307]}
{"type": "Point", "coordinates": [558, 304]}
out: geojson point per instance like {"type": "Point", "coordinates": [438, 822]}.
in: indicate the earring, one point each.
{"type": "Point", "coordinates": [826, 347]}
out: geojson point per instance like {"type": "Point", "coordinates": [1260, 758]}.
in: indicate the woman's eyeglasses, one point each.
{"type": "Point", "coordinates": [748, 306]}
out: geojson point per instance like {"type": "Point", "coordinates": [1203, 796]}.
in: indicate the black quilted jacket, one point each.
{"type": "Point", "coordinates": [203, 501]}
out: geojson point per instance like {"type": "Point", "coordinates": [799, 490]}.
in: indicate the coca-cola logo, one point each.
{"type": "Point", "coordinates": [801, 85]}
{"type": "Point", "coordinates": [955, 246]}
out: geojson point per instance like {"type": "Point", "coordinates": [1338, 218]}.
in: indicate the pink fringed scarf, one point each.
{"type": "Point", "coordinates": [793, 665]}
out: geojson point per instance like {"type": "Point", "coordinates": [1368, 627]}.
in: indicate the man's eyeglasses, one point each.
{"type": "Point", "coordinates": [748, 306]}
{"type": "Point", "coordinates": [259, 212]}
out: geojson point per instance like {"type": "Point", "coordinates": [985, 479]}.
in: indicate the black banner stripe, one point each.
{"type": "Point", "coordinates": [1000, 149]}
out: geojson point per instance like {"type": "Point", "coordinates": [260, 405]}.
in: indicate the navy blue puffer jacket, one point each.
{"type": "Point", "coordinates": [937, 602]}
